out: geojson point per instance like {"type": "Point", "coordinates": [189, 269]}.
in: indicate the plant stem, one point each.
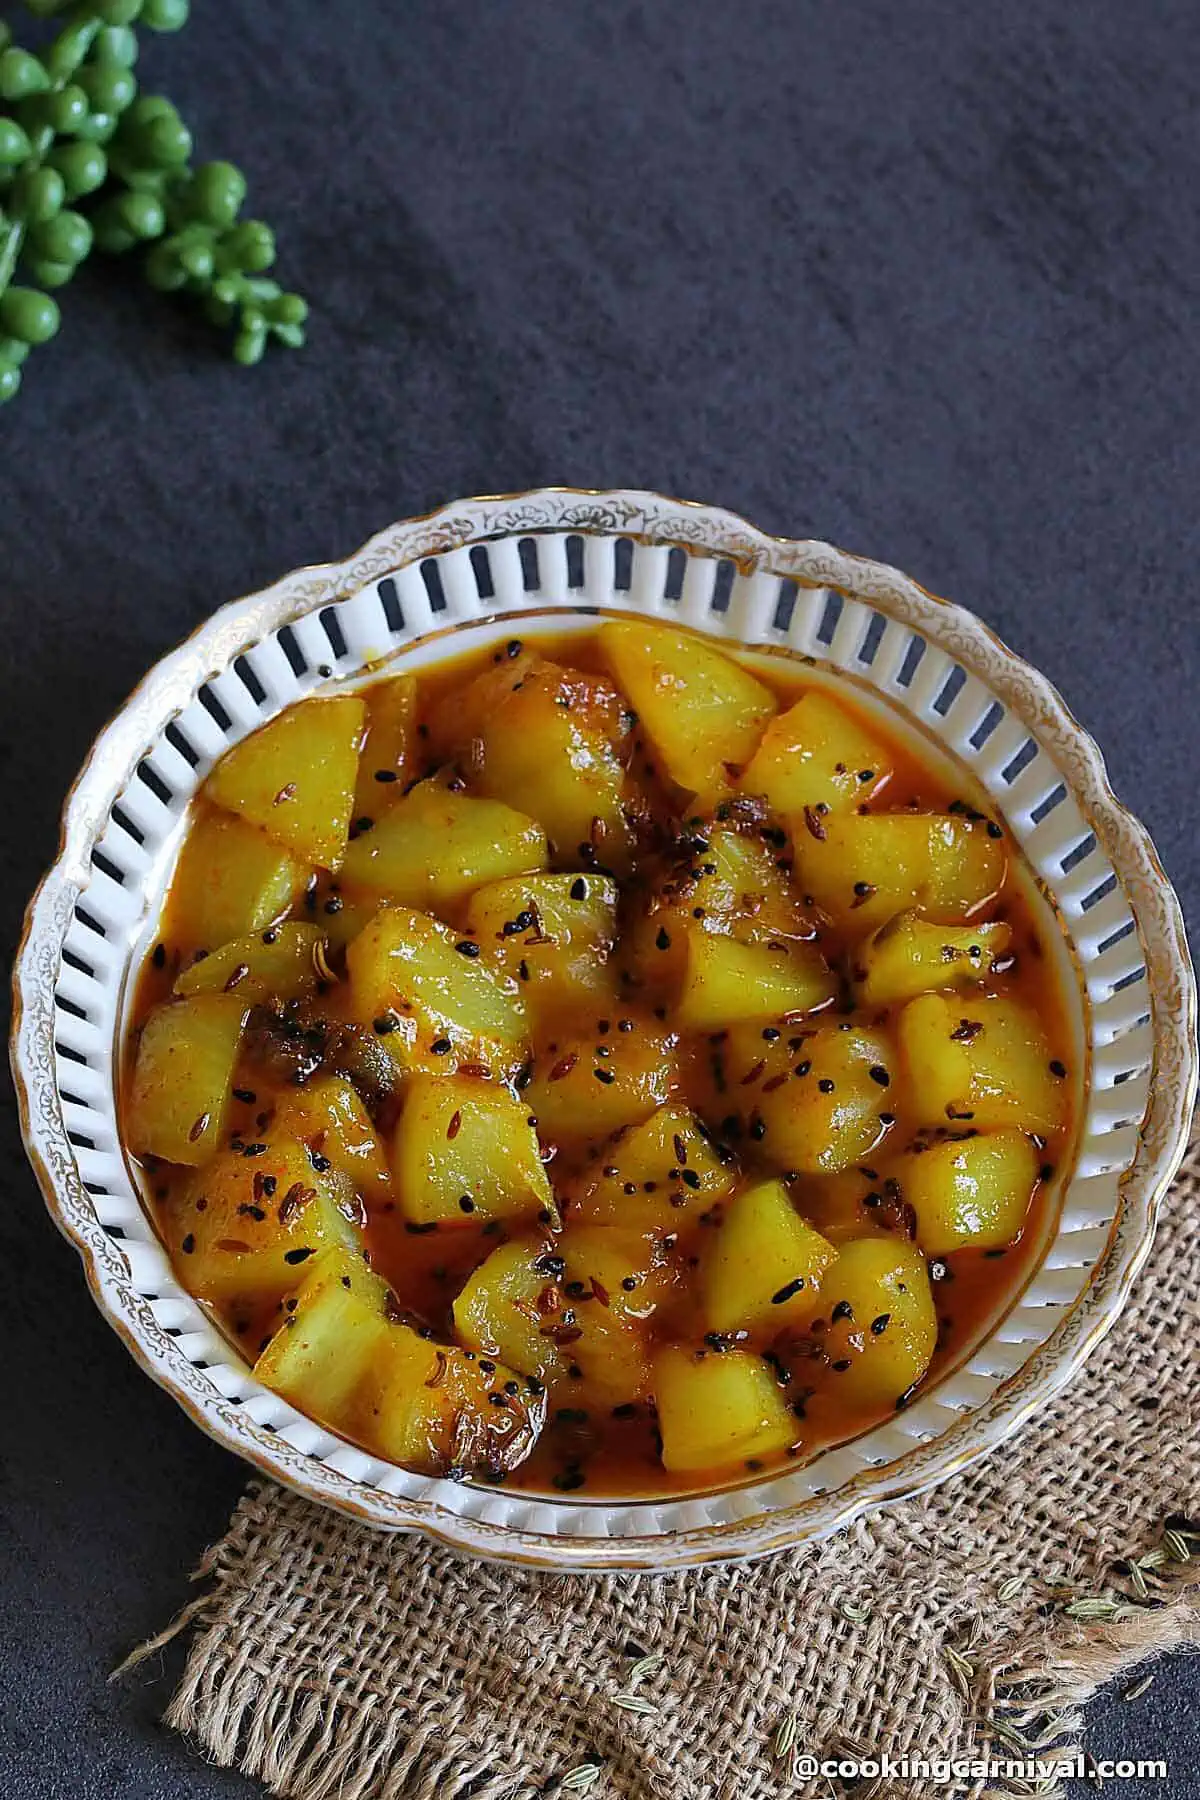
{"type": "Point", "coordinates": [64, 56]}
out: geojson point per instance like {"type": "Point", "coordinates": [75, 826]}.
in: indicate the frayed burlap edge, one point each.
{"type": "Point", "coordinates": [1026, 1694]}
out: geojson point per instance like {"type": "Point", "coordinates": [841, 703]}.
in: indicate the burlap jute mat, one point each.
{"type": "Point", "coordinates": [337, 1664]}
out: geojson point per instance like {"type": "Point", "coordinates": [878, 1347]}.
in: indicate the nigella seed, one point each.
{"type": "Point", "coordinates": [604, 1075]}
{"type": "Point", "coordinates": [579, 889]}
{"type": "Point", "coordinates": [826, 1086]}
{"type": "Point", "coordinates": [160, 956]}
{"type": "Point", "coordinates": [188, 1244]}
{"type": "Point", "coordinates": [1058, 1069]}
{"type": "Point", "coordinates": [385, 1023]}
{"type": "Point", "coordinates": [787, 1293]}
{"type": "Point", "coordinates": [297, 1256]}
{"type": "Point", "coordinates": [663, 940]}
{"type": "Point", "coordinates": [880, 1325]}
{"type": "Point", "coordinates": [465, 1203]}
{"type": "Point", "coordinates": [842, 1364]}
{"type": "Point", "coordinates": [441, 1046]}
{"type": "Point", "coordinates": [467, 948]}
{"type": "Point", "coordinates": [843, 1310]}
{"type": "Point", "coordinates": [880, 1076]}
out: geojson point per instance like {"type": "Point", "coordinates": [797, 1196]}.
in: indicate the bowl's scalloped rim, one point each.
{"type": "Point", "coordinates": [695, 526]}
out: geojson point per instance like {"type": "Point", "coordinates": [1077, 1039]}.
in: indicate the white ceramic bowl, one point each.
{"type": "Point", "coordinates": [556, 558]}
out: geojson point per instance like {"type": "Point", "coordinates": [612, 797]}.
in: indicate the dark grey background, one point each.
{"type": "Point", "coordinates": [917, 278]}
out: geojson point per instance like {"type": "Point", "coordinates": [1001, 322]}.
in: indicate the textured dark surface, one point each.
{"type": "Point", "coordinates": [920, 279]}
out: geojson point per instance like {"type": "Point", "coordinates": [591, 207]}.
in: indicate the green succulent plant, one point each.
{"type": "Point", "coordinates": [88, 161]}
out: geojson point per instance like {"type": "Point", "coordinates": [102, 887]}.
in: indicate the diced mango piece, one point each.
{"type": "Point", "coordinates": [432, 1007]}
{"type": "Point", "coordinates": [726, 982]}
{"type": "Point", "coordinates": [388, 757]}
{"type": "Point", "coordinates": [863, 868]}
{"type": "Point", "coordinates": [327, 1116]}
{"type": "Point", "coordinates": [715, 1410]}
{"type": "Point", "coordinates": [182, 1077]}
{"type": "Point", "coordinates": [245, 1226]}
{"type": "Point", "coordinates": [910, 956]}
{"type": "Point", "coordinates": [273, 965]}
{"type": "Point", "coordinates": [672, 1166]}
{"type": "Point", "coordinates": [328, 1337]}
{"type": "Point", "coordinates": [882, 1325]}
{"type": "Point", "coordinates": [460, 720]}
{"type": "Point", "coordinates": [553, 933]}
{"type": "Point", "coordinates": [817, 753]}
{"type": "Point", "coordinates": [613, 1284]}
{"type": "Point", "coordinates": [540, 736]}
{"type": "Point", "coordinates": [434, 847]}
{"type": "Point", "coordinates": [512, 1305]}
{"type": "Point", "coordinates": [296, 777]}
{"type": "Point", "coordinates": [572, 1313]}
{"type": "Point", "coordinates": [431, 1407]}
{"type": "Point", "coordinates": [810, 1100]}
{"type": "Point", "coordinates": [984, 1062]}
{"type": "Point", "coordinates": [231, 880]}
{"type": "Point", "coordinates": [588, 1084]}
{"type": "Point", "coordinates": [856, 1202]}
{"type": "Point", "coordinates": [975, 1192]}
{"type": "Point", "coordinates": [703, 713]}
{"type": "Point", "coordinates": [464, 1148]}
{"type": "Point", "coordinates": [732, 881]}
{"type": "Point", "coordinates": [761, 1266]}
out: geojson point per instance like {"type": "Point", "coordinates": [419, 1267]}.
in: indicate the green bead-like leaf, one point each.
{"type": "Point", "coordinates": [65, 239]}
{"type": "Point", "coordinates": [167, 142]}
{"type": "Point", "coordinates": [164, 270]}
{"type": "Point", "coordinates": [97, 128]}
{"type": "Point", "coordinates": [216, 194]}
{"type": "Point", "coordinates": [28, 315]}
{"type": "Point", "coordinates": [50, 274]}
{"type": "Point", "coordinates": [141, 214]}
{"type": "Point", "coordinates": [21, 74]}
{"type": "Point", "coordinates": [197, 259]}
{"type": "Point", "coordinates": [291, 335]}
{"type": "Point", "coordinates": [117, 12]}
{"type": "Point", "coordinates": [37, 195]}
{"type": "Point", "coordinates": [14, 144]}
{"type": "Point", "coordinates": [165, 15]}
{"type": "Point", "coordinates": [83, 167]}
{"type": "Point", "coordinates": [116, 47]}
{"type": "Point", "coordinates": [109, 89]}
{"type": "Point", "coordinates": [65, 110]}
{"type": "Point", "coordinates": [249, 344]}
{"type": "Point", "coordinates": [13, 350]}
{"type": "Point", "coordinates": [288, 309]}
{"type": "Point", "coordinates": [10, 382]}
{"type": "Point", "coordinates": [112, 236]}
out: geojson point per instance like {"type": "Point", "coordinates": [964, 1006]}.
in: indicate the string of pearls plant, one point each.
{"type": "Point", "coordinates": [87, 161]}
